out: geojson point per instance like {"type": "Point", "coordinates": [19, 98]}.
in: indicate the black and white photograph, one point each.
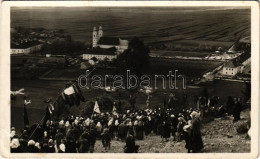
{"type": "Point", "coordinates": [131, 79]}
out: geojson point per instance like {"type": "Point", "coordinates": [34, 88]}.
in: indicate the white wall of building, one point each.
{"type": "Point", "coordinates": [99, 57]}
{"type": "Point", "coordinates": [27, 50]}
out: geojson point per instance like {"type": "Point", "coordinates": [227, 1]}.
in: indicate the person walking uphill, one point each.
{"type": "Point", "coordinates": [196, 143]}
{"type": "Point", "coordinates": [130, 146]}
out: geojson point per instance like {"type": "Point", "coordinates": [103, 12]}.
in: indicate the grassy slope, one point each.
{"type": "Point", "coordinates": [215, 140]}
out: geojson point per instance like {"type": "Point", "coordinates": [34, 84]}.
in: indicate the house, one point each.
{"type": "Point", "coordinates": [235, 66]}
{"type": "Point", "coordinates": [26, 47]}
{"type": "Point", "coordinates": [100, 54]}
{"type": "Point", "coordinates": [98, 40]}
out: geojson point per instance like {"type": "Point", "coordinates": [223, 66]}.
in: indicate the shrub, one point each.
{"type": "Point", "coordinates": [242, 128]}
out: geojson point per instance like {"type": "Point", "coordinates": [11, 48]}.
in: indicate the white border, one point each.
{"type": "Point", "coordinates": [5, 75]}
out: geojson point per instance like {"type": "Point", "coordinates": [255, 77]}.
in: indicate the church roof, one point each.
{"type": "Point", "coordinates": [108, 41]}
{"type": "Point", "coordinates": [238, 61]}
{"type": "Point", "coordinates": [100, 51]}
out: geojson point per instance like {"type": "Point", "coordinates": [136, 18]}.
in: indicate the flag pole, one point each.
{"type": "Point", "coordinates": [92, 113]}
{"type": "Point", "coordinates": [37, 126]}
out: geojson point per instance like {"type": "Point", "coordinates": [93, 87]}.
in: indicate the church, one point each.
{"type": "Point", "coordinates": [105, 47]}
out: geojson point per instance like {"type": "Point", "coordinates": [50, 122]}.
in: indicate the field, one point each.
{"type": "Point", "coordinates": [204, 25]}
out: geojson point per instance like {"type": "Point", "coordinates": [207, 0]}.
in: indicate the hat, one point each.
{"type": "Point", "coordinates": [67, 124]}
{"type": "Point", "coordinates": [99, 124]}
{"type": "Point", "coordinates": [194, 115]}
{"type": "Point", "coordinates": [13, 133]}
{"type": "Point", "coordinates": [172, 116]}
{"type": "Point", "coordinates": [37, 144]}
{"type": "Point", "coordinates": [45, 133]}
{"type": "Point", "coordinates": [62, 147]}
{"type": "Point", "coordinates": [31, 142]}
{"type": "Point", "coordinates": [61, 122]}
{"type": "Point", "coordinates": [15, 143]}
{"type": "Point", "coordinates": [50, 141]}
{"type": "Point", "coordinates": [116, 123]}
{"type": "Point", "coordinates": [12, 128]}
{"type": "Point", "coordinates": [181, 119]}
{"type": "Point", "coordinates": [76, 122]}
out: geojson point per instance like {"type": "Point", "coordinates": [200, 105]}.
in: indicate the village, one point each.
{"type": "Point", "coordinates": [234, 63]}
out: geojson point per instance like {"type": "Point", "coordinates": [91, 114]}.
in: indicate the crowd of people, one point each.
{"type": "Point", "coordinates": [78, 134]}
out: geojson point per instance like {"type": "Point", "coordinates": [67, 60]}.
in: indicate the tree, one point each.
{"type": "Point", "coordinates": [135, 58]}
{"type": "Point", "coordinates": [247, 92]}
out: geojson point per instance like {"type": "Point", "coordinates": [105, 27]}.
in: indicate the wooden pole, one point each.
{"type": "Point", "coordinates": [37, 126]}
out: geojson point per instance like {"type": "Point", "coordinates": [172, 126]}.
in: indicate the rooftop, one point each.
{"type": "Point", "coordinates": [99, 51]}
{"type": "Point", "coordinates": [25, 45]}
{"type": "Point", "coordinates": [237, 61]}
{"type": "Point", "coordinates": [108, 41]}
{"type": "Point", "coordinates": [245, 39]}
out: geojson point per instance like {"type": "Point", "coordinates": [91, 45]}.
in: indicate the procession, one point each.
{"type": "Point", "coordinates": [78, 134]}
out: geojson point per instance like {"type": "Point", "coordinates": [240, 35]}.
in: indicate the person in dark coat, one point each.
{"type": "Point", "coordinates": [187, 136]}
{"type": "Point", "coordinates": [122, 131]}
{"type": "Point", "coordinates": [83, 145]}
{"type": "Point", "coordinates": [140, 131]}
{"type": "Point", "coordinates": [166, 132]}
{"type": "Point", "coordinates": [106, 139]}
{"type": "Point", "coordinates": [196, 140]}
{"type": "Point", "coordinates": [92, 141]}
{"type": "Point", "coordinates": [173, 125]}
{"type": "Point", "coordinates": [130, 146]}
{"type": "Point", "coordinates": [51, 148]}
{"type": "Point", "coordinates": [58, 137]}
{"type": "Point", "coordinates": [15, 146]}
{"type": "Point", "coordinates": [230, 105]}
{"type": "Point", "coordinates": [31, 147]}
{"type": "Point", "coordinates": [70, 145]}
{"type": "Point", "coordinates": [237, 110]}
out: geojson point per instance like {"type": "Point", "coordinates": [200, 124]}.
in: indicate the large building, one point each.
{"type": "Point", "coordinates": [99, 40]}
{"type": "Point", "coordinates": [105, 47]}
{"type": "Point", "coordinates": [237, 65]}
{"type": "Point", "coordinates": [26, 47]}
{"type": "Point", "coordinates": [100, 54]}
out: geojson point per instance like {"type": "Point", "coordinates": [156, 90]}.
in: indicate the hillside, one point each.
{"type": "Point", "coordinates": [218, 136]}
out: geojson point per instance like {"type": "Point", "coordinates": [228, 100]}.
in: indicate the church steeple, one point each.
{"type": "Point", "coordinates": [94, 37]}
{"type": "Point", "coordinates": [100, 32]}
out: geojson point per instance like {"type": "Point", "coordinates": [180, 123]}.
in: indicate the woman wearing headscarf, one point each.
{"type": "Point", "coordinates": [166, 132]}
{"type": "Point", "coordinates": [62, 148]}
{"type": "Point", "coordinates": [140, 130]}
{"type": "Point", "coordinates": [187, 135]}
{"type": "Point", "coordinates": [196, 139]}
{"type": "Point", "coordinates": [98, 129]}
{"type": "Point", "coordinates": [15, 146]}
{"type": "Point", "coordinates": [180, 126]}
{"type": "Point", "coordinates": [31, 147]}
{"type": "Point", "coordinates": [130, 146]}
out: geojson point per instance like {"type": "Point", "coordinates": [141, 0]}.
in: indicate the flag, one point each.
{"type": "Point", "coordinates": [25, 116]}
{"type": "Point", "coordinates": [72, 95]}
{"type": "Point", "coordinates": [96, 108]}
{"type": "Point", "coordinates": [69, 90]}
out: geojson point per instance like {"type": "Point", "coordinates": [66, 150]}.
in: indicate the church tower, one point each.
{"type": "Point", "coordinates": [94, 37]}
{"type": "Point", "coordinates": [100, 32]}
